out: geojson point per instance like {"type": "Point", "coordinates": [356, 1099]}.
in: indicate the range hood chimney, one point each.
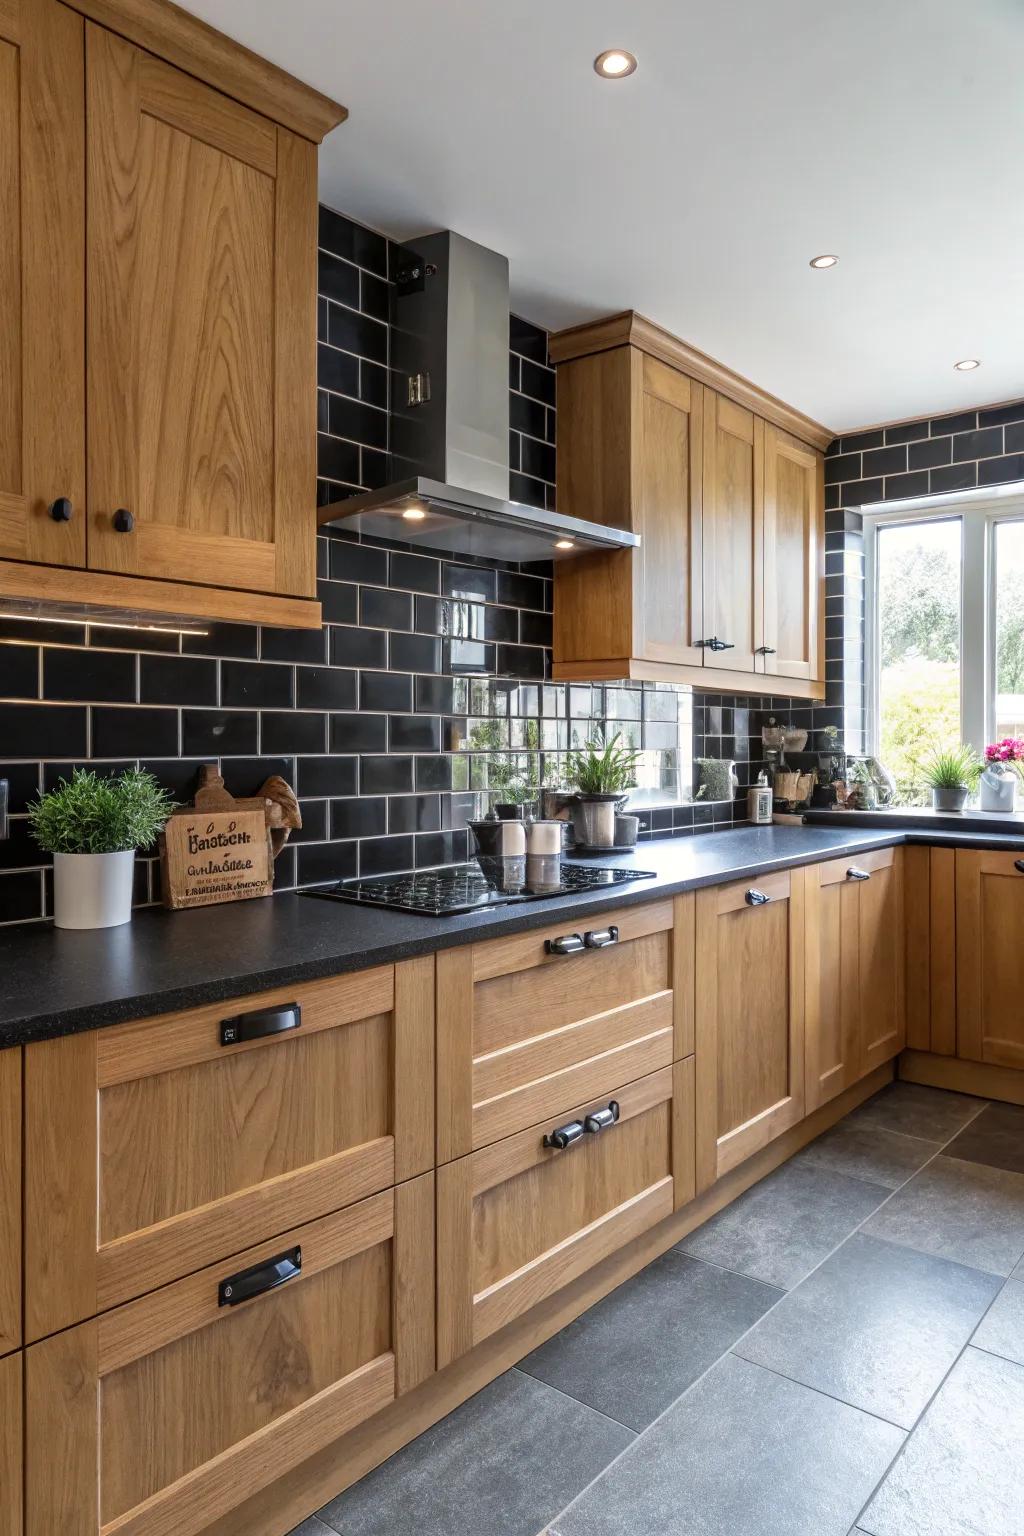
{"type": "Point", "coordinates": [449, 472]}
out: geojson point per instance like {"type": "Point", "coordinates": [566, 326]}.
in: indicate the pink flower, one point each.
{"type": "Point", "coordinates": [1009, 750]}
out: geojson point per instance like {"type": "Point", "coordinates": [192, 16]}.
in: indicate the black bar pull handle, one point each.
{"type": "Point", "coordinates": [262, 1021]}
{"type": "Point", "coordinates": [568, 944]}
{"type": "Point", "coordinates": [600, 938]}
{"type": "Point", "coordinates": [564, 1136]}
{"type": "Point", "coordinates": [600, 1119]}
{"type": "Point", "coordinates": [260, 1278]}
{"type": "Point", "coordinates": [853, 873]}
{"type": "Point", "coordinates": [755, 898]}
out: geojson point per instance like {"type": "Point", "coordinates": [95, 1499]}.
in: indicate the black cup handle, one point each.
{"type": "Point", "coordinates": [260, 1278]}
{"type": "Point", "coordinates": [568, 944]}
{"type": "Point", "coordinates": [601, 1119]}
{"type": "Point", "coordinates": [564, 1135]}
{"type": "Point", "coordinates": [260, 1022]}
{"type": "Point", "coordinates": [755, 898]}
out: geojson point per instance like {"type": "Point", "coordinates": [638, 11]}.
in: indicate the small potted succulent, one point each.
{"type": "Point", "coordinates": [92, 825]}
{"type": "Point", "coordinates": [602, 773]}
{"type": "Point", "coordinates": [951, 773]}
{"type": "Point", "coordinates": [1003, 766]}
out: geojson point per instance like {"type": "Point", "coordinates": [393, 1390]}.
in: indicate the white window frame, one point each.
{"type": "Point", "coordinates": [980, 512]}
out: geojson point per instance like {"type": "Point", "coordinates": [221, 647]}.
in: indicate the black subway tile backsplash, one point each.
{"type": "Point", "coordinates": [19, 673]}
{"type": "Point", "coordinates": [257, 685]}
{"type": "Point", "coordinates": [177, 680]}
{"type": "Point", "coordinates": [132, 732]}
{"type": "Point", "coordinates": [103, 676]}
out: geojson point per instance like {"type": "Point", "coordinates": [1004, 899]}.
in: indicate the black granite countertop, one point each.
{"type": "Point", "coordinates": [55, 982]}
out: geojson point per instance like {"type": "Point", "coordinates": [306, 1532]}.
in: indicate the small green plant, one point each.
{"type": "Point", "coordinates": [603, 768]}
{"type": "Point", "coordinates": [90, 814]}
{"type": "Point", "coordinates": [951, 768]}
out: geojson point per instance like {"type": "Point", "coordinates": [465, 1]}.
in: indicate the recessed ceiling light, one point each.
{"type": "Point", "coordinates": [615, 64]}
{"type": "Point", "coordinates": [966, 364]}
{"type": "Point", "coordinates": [565, 544]}
{"type": "Point", "coordinates": [821, 262]}
{"type": "Point", "coordinates": [414, 514]}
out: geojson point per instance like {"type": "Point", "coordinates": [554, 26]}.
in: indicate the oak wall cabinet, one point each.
{"type": "Point", "coordinates": [723, 484]}
{"type": "Point", "coordinates": [158, 256]}
{"type": "Point", "coordinates": [854, 970]}
{"type": "Point", "coordinates": [749, 1018]}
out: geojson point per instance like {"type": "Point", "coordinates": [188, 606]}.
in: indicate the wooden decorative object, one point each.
{"type": "Point", "coordinates": [217, 849]}
{"type": "Point", "coordinates": [283, 814]}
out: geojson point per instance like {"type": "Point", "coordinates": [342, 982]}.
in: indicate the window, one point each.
{"type": "Point", "coordinates": [945, 628]}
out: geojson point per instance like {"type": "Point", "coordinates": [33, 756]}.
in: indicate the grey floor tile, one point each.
{"type": "Point", "coordinates": [961, 1211]}
{"type": "Point", "coordinates": [1002, 1328]}
{"type": "Point", "coordinates": [503, 1464]}
{"type": "Point", "coordinates": [962, 1472]}
{"type": "Point", "coordinates": [866, 1151]}
{"type": "Point", "coordinates": [781, 1228]}
{"type": "Point", "coordinates": [743, 1453]}
{"type": "Point", "coordinates": [876, 1325]}
{"type": "Point", "coordinates": [312, 1527]}
{"type": "Point", "coordinates": [636, 1351]}
{"type": "Point", "coordinates": [932, 1113]}
{"type": "Point", "coordinates": [996, 1137]}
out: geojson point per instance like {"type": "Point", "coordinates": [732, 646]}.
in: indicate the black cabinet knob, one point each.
{"type": "Point", "coordinates": [61, 510]}
{"type": "Point", "coordinates": [123, 520]}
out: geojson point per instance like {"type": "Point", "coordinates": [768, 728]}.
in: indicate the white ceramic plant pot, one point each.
{"type": "Point", "coordinates": [92, 890]}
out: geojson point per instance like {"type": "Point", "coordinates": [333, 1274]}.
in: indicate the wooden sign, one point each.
{"type": "Point", "coordinates": [218, 849]}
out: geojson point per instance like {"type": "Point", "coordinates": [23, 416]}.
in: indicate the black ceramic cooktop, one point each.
{"type": "Point", "coordinates": [483, 883]}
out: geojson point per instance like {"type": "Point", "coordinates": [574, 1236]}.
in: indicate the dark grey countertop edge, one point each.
{"type": "Point", "coordinates": [125, 954]}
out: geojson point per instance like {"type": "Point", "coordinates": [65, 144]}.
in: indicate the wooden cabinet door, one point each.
{"type": "Point", "coordinates": [161, 1416]}
{"type": "Point", "coordinates": [201, 262]}
{"type": "Point", "coordinates": [792, 582]}
{"type": "Point", "coordinates": [10, 1199]}
{"type": "Point", "coordinates": [42, 282]}
{"type": "Point", "coordinates": [11, 1479]}
{"type": "Point", "coordinates": [732, 536]}
{"type": "Point", "coordinates": [524, 1031]}
{"type": "Point", "coordinates": [882, 956]}
{"type": "Point", "coordinates": [749, 1018]}
{"type": "Point", "coordinates": [990, 957]}
{"type": "Point", "coordinates": [855, 966]}
{"type": "Point", "coordinates": [833, 1013]}
{"type": "Point", "coordinates": [521, 1218]}
{"type": "Point", "coordinates": [667, 490]}
{"type": "Point", "coordinates": [156, 1148]}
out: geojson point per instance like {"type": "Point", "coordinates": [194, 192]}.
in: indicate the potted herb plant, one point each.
{"type": "Point", "coordinates": [951, 773]}
{"type": "Point", "coordinates": [601, 773]}
{"type": "Point", "coordinates": [92, 825]}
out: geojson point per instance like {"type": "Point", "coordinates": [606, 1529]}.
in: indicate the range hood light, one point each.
{"type": "Point", "coordinates": [565, 543]}
{"type": "Point", "coordinates": [414, 514]}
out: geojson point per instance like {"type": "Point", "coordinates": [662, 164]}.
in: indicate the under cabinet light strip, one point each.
{"type": "Point", "coordinates": [149, 629]}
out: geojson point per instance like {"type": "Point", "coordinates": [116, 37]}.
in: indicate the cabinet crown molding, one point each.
{"type": "Point", "coordinates": [630, 329]}
{"type": "Point", "coordinates": [211, 56]}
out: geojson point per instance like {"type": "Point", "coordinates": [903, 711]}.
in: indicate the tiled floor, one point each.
{"type": "Point", "coordinates": [840, 1351]}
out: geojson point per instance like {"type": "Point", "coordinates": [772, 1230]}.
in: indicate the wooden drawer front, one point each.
{"type": "Point", "coordinates": [524, 1032]}
{"type": "Point", "coordinates": [837, 871]}
{"type": "Point", "coordinates": [990, 956]}
{"type": "Point", "coordinates": [153, 1149]}
{"type": "Point", "coordinates": [10, 1446]}
{"type": "Point", "coordinates": [160, 1416]}
{"type": "Point", "coordinates": [517, 1220]}
{"type": "Point", "coordinates": [10, 1200]}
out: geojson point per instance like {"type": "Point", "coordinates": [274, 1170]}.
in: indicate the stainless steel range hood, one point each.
{"type": "Point", "coordinates": [449, 471]}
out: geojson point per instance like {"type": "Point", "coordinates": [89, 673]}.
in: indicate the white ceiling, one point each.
{"type": "Point", "coordinates": [754, 135]}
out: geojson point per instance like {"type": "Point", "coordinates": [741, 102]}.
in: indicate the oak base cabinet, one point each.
{"type": "Point", "coordinates": [990, 957]}
{"type": "Point", "coordinates": [749, 1018]}
{"type": "Point", "coordinates": [10, 1446]}
{"type": "Point", "coordinates": [855, 1009]}
{"type": "Point", "coordinates": [159, 1417]}
{"type": "Point", "coordinates": [198, 1134]}
{"type": "Point", "coordinates": [10, 1199]}
{"type": "Point", "coordinates": [522, 1218]}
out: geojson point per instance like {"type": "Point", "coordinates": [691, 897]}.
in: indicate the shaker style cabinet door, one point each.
{"type": "Point", "coordinates": [667, 456]}
{"type": "Point", "coordinates": [201, 261]}
{"type": "Point", "coordinates": [855, 970]}
{"type": "Point", "coordinates": [749, 1018]}
{"type": "Point", "coordinates": [42, 284]}
{"type": "Point", "coordinates": [10, 1199]}
{"type": "Point", "coordinates": [11, 1454]}
{"type": "Point", "coordinates": [793, 572]}
{"type": "Point", "coordinates": [990, 957]}
{"type": "Point", "coordinates": [732, 533]}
